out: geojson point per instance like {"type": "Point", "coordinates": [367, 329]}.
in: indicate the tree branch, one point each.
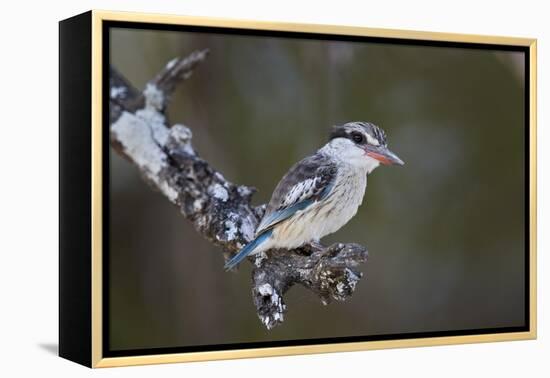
{"type": "Point", "coordinates": [218, 209]}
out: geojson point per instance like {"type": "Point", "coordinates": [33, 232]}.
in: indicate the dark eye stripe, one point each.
{"type": "Point", "coordinates": [357, 137]}
{"type": "Point", "coordinates": [338, 132]}
{"type": "Point", "coordinates": [347, 131]}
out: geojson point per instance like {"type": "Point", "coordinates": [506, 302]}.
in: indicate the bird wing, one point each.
{"type": "Point", "coordinates": [307, 182]}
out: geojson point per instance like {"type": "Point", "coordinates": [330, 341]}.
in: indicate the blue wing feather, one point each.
{"type": "Point", "coordinates": [281, 215]}
{"type": "Point", "coordinates": [247, 249]}
{"type": "Point", "coordinates": [312, 168]}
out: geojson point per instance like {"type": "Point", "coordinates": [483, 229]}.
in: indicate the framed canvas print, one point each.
{"type": "Point", "coordinates": [235, 189]}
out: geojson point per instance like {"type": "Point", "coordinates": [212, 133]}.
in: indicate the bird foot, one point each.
{"type": "Point", "coordinates": [316, 246]}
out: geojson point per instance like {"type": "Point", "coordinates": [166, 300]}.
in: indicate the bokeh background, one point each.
{"type": "Point", "coordinates": [445, 232]}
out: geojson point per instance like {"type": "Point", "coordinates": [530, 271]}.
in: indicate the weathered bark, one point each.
{"type": "Point", "coordinates": [218, 209]}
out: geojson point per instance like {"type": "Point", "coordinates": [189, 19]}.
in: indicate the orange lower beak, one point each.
{"type": "Point", "coordinates": [383, 155]}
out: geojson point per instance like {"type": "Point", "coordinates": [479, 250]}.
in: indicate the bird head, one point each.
{"type": "Point", "coordinates": [363, 144]}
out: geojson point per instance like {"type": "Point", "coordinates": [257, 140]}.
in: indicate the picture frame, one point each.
{"type": "Point", "coordinates": [93, 97]}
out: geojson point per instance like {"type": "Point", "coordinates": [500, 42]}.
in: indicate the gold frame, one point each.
{"type": "Point", "coordinates": [97, 357]}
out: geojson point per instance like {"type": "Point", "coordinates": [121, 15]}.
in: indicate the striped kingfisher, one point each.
{"type": "Point", "coordinates": [322, 192]}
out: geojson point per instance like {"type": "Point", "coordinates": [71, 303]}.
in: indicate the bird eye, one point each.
{"type": "Point", "coordinates": [357, 138]}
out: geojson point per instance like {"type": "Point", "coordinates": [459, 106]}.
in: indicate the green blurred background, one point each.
{"type": "Point", "coordinates": [445, 233]}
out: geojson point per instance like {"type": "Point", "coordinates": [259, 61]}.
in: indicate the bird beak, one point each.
{"type": "Point", "coordinates": [383, 155]}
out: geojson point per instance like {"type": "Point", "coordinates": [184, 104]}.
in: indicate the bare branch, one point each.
{"type": "Point", "coordinates": [176, 70]}
{"type": "Point", "coordinates": [218, 209]}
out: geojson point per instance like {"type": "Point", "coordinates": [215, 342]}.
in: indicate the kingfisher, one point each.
{"type": "Point", "coordinates": [322, 192]}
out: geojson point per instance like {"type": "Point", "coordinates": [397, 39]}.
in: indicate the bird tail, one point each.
{"type": "Point", "coordinates": [247, 249]}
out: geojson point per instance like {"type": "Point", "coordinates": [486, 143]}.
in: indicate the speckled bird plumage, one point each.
{"type": "Point", "coordinates": [322, 192]}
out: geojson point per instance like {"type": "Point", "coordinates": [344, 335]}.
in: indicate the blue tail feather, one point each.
{"type": "Point", "coordinates": [247, 249]}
